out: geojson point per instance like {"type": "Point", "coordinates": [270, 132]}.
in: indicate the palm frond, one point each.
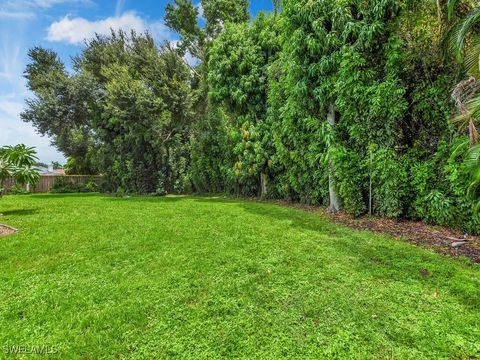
{"type": "Point", "coordinates": [451, 8]}
{"type": "Point", "coordinates": [17, 162]}
{"type": "Point", "coordinates": [472, 160]}
{"type": "Point", "coordinates": [460, 31]}
{"type": "Point", "coordinates": [459, 150]}
{"type": "Point", "coordinates": [472, 58]}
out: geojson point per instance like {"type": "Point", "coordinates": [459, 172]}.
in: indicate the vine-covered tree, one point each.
{"type": "Point", "coordinates": [211, 168]}
{"type": "Point", "coordinates": [238, 81]}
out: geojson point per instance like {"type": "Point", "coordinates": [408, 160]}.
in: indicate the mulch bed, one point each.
{"type": "Point", "coordinates": [443, 240]}
{"type": "Point", "coordinates": [440, 239]}
{"type": "Point", "coordinates": [6, 230]}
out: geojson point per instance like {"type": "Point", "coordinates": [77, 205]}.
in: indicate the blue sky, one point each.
{"type": "Point", "coordinates": [61, 25]}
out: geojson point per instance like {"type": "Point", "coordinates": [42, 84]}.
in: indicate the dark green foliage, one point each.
{"type": "Point", "coordinates": [235, 134]}
{"type": "Point", "coordinates": [351, 179]}
{"type": "Point", "coordinates": [211, 154]}
{"type": "Point", "coordinates": [440, 187]}
{"type": "Point", "coordinates": [219, 12]}
{"type": "Point", "coordinates": [332, 99]}
{"type": "Point", "coordinates": [125, 112]}
{"type": "Point", "coordinates": [380, 65]}
{"type": "Point", "coordinates": [67, 185]}
{"type": "Point", "coordinates": [182, 17]}
{"type": "Point", "coordinates": [60, 108]}
{"type": "Point", "coordinates": [389, 182]}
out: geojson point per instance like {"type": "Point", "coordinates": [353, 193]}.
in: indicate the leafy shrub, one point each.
{"type": "Point", "coordinates": [389, 179]}
{"type": "Point", "coordinates": [439, 186]}
{"type": "Point", "coordinates": [423, 182]}
{"type": "Point", "coordinates": [120, 193]}
{"type": "Point", "coordinates": [350, 180]}
{"type": "Point", "coordinates": [66, 185]}
{"type": "Point", "coordinates": [92, 186]}
{"type": "Point", "coordinates": [440, 209]}
{"type": "Point", "coordinates": [18, 190]}
{"type": "Point", "coordinates": [258, 106]}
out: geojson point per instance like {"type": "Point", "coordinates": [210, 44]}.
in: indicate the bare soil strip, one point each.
{"type": "Point", "coordinates": [7, 230]}
{"type": "Point", "coordinates": [440, 239]}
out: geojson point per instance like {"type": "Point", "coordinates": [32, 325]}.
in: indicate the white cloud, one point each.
{"type": "Point", "coordinates": [26, 9]}
{"type": "Point", "coordinates": [160, 31]}
{"type": "Point", "coordinates": [76, 30]}
{"type": "Point", "coordinates": [10, 107]}
{"type": "Point", "coordinates": [14, 39]}
{"type": "Point", "coordinates": [45, 4]}
{"type": "Point", "coordinates": [12, 94]}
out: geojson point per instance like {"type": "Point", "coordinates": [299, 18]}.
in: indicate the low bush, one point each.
{"type": "Point", "coordinates": [18, 190]}
{"type": "Point", "coordinates": [66, 185]}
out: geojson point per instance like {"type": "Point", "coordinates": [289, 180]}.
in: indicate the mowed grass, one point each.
{"type": "Point", "coordinates": [151, 278]}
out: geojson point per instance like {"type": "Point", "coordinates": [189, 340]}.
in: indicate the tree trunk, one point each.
{"type": "Point", "coordinates": [370, 196]}
{"type": "Point", "coordinates": [439, 15]}
{"type": "Point", "coordinates": [370, 185]}
{"type": "Point", "coordinates": [472, 132]}
{"type": "Point", "coordinates": [334, 202]}
{"type": "Point", "coordinates": [263, 185]}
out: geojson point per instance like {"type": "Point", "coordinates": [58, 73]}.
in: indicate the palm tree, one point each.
{"type": "Point", "coordinates": [463, 41]}
{"type": "Point", "coordinates": [17, 162]}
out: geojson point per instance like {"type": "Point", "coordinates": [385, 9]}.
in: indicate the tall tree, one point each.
{"type": "Point", "coordinates": [128, 103]}
{"type": "Point", "coordinates": [198, 26]}
{"type": "Point", "coordinates": [60, 108]}
{"type": "Point", "coordinates": [183, 17]}
{"type": "Point", "coordinates": [238, 79]}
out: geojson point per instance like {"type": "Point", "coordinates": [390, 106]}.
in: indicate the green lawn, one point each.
{"type": "Point", "coordinates": [146, 278]}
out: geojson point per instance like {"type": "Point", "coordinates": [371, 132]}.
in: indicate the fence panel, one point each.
{"type": "Point", "coordinates": [46, 182]}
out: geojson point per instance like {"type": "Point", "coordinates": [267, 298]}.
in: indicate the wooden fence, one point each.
{"type": "Point", "coordinates": [46, 182]}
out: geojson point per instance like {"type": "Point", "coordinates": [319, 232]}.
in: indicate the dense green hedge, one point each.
{"type": "Point", "coordinates": [381, 65]}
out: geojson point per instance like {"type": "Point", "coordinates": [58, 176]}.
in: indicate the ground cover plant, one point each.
{"type": "Point", "coordinates": [95, 277]}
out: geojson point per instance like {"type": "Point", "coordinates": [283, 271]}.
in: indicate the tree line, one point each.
{"type": "Point", "coordinates": [365, 106]}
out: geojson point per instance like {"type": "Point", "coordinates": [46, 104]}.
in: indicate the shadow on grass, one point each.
{"type": "Point", "coordinates": [376, 255]}
{"type": "Point", "coordinates": [296, 217]}
{"type": "Point", "coordinates": [143, 199]}
{"type": "Point", "coordinates": [373, 255]}
{"type": "Point", "coordinates": [20, 212]}
{"type": "Point", "coordinates": [65, 195]}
